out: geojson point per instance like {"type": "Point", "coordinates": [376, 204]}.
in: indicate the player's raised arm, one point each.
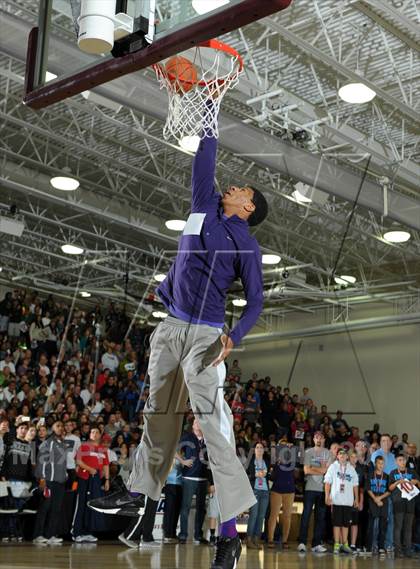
{"type": "Point", "coordinates": [203, 170]}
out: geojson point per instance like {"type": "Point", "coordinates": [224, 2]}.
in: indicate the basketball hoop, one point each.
{"type": "Point", "coordinates": [204, 74]}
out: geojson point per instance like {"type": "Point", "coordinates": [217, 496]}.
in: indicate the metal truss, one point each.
{"type": "Point", "coordinates": [132, 180]}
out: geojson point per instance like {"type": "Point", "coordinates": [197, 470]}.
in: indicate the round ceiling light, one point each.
{"type": "Point", "coordinates": [85, 294]}
{"type": "Point", "coordinates": [71, 249]}
{"type": "Point", "coordinates": [158, 314]}
{"type": "Point", "coordinates": [356, 93]}
{"type": "Point", "coordinates": [190, 143]}
{"type": "Point", "coordinates": [300, 198]}
{"type": "Point", "coordinates": [204, 6]}
{"type": "Point", "coordinates": [397, 236]}
{"type": "Point", "coordinates": [160, 277]}
{"type": "Point", "coordinates": [239, 302]}
{"type": "Point", "coordinates": [345, 280]}
{"type": "Point", "coordinates": [175, 224]}
{"type": "Point", "coordinates": [269, 259]}
{"type": "Point", "coordinates": [64, 183]}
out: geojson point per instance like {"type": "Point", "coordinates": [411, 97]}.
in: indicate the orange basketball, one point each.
{"type": "Point", "coordinates": [182, 72]}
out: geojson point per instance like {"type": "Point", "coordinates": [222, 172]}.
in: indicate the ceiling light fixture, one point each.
{"type": "Point", "coordinates": [158, 314]}
{"type": "Point", "coordinates": [175, 224]}
{"type": "Point", "coordinates": [204, 6]}
{"type": "Point", "coordinates": [71, 249]}
{"type": "Point", "coordinates": [302, 193]}
{"type": "Point", "coordinates": [189, 143]}
{"type": "Point", "coordinates": [345, 280]}
{"type": "Point", "coordinates": [356, 93]}
{"type": "Point", "coordinates": [64, 183]}
{"type": "Point", "coordinates": [160, 277]}
{"type": "Point", "coordinates": [300, 198]}
{"type": "Point", "coordinates": [239, 302]}
{"type": "Point", "coordinates": [269, 259]}
{"type": "Point", "coordinates": [397, 236]}
{"type": "Point", "coordinates": [85, 294]}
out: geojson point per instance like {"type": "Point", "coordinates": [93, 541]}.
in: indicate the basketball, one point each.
{"type": "Point", "coordinates": [183, 72]}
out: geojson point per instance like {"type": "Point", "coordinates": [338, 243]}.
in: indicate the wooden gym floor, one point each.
{"type": "Point", "coordinates": [112, 556]}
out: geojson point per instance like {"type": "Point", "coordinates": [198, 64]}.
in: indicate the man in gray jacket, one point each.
{"type": "Point", "coordinates": [51, 471]}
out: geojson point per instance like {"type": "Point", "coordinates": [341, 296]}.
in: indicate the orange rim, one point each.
{"type": "Point", "coordinates": [212, 44]}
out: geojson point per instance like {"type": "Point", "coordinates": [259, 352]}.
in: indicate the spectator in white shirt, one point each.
{"type": "Point", "coordinates": [8, 362]}
{"type": "Point", "coordinates": [88, 394]}
{"type": "Point", "coordinates": [43, 368]}
{"type": "Point", "coordinates": [342, 493]}
{"type": "Point", "coordinates": [9, 392]}
{"type": "Point", "coordinates": [97, 406]}
{"type": "Point", "coordinates": [24, 392]}
{"type": "Point", "coordinates": [305, 395]}
{"type": "Point", "coordinates": [110, 359]}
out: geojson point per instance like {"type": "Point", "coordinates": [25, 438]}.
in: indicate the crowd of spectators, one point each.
{"type": "Point", "coordinates": [78, 380]}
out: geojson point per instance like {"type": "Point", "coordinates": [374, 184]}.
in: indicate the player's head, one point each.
{"type": "Point", "coordinates": [247, 203]}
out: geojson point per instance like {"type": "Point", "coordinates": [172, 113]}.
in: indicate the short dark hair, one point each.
{"type": "Point", "coordinates": [378, 458]}
{"type": "Point", "coordinates": [261, 208]}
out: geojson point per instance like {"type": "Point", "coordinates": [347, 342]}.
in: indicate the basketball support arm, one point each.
{"type": "Point", "coordinates": [201, 29]}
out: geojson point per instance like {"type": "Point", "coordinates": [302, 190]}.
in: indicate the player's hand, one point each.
{"type": "Point", "coordinates": [227, 346]}
{"type": "Point", "coordinates": [188, 463]}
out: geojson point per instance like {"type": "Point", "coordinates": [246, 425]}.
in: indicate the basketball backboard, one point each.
{"type": "Point", "coordinates": [60, 63]}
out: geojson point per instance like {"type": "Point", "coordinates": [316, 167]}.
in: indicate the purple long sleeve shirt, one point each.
{"type": "Point", "coordinates": [214, 250]}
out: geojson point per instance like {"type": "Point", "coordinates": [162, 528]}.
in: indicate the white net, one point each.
{"type": "Point", "coordinates": [188, 113]}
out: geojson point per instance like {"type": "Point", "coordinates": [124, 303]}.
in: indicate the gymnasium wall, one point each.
{"type": "Point", "coordinates": [388, 384]}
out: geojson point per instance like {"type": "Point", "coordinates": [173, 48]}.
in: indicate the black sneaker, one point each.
{"type": "Point", "coordinates": [133, 510]}
{"type": "Point", "coordinates": [228, 551]}
{"type": "Point", "coordinates": [213, 540]}
{"type": "Point", "coordinates": [117, 503]}
{"type": "Point", "coordinates": [201, 541]}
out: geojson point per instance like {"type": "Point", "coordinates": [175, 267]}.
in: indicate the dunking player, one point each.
{"type": "Point", "coordinates": [189, 348]}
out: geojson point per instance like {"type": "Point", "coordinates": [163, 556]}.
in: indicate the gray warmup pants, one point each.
{"type": "Point", "coordinates": [179, 367]}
